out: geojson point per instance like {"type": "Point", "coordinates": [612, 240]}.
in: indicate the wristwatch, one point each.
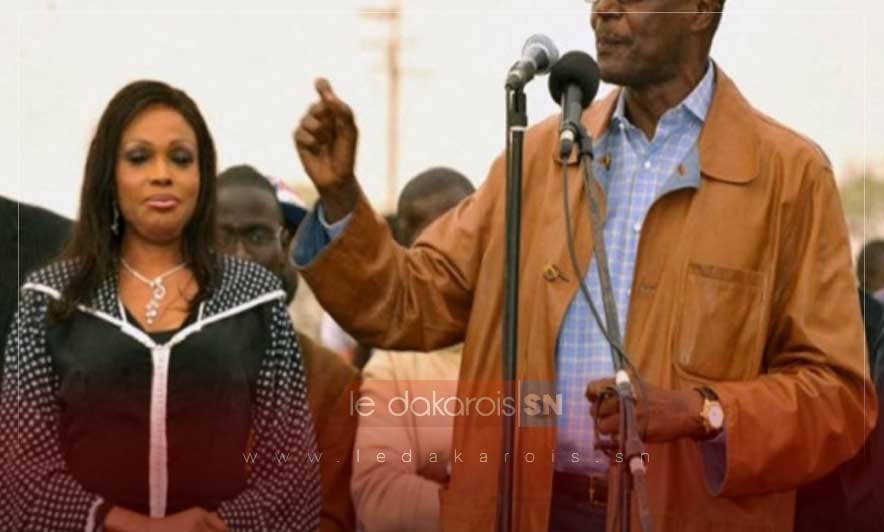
{"type": "Point", "coordinates": [712, 413]}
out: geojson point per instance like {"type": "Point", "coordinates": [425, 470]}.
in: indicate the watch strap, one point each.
{"type": "Point", "coordinates": [708, 393]}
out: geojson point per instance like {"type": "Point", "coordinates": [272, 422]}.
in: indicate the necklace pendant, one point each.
{"type": "Point", "coordinates": [159, 289]}
{"type": "Point", "coordinates": [151, 310]}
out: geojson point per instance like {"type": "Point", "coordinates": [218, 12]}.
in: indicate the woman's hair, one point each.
{"type": "Point", "coordinates": [94, 247]}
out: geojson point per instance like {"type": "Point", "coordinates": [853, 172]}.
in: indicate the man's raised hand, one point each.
{"type": "Point", "coordinates": [326, 143]}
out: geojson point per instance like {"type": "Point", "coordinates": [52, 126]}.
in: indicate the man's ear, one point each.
{"type": "Point", "coordinates": [285, 238]}
{"type": "Point", "coordinates": [289, 282]}
{"type": "Point", "coordinates": [707, 14]}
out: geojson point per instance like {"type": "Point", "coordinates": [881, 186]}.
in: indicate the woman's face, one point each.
{"type": "Point", "coordinates": [157, 174]}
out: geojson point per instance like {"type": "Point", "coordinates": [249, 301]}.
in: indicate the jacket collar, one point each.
{"type": "Point", "coordinates": [728, 141]}
{"type": "Point", "coordinates": [241, 285]}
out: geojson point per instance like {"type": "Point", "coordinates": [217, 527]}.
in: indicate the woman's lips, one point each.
{"type": "Point", "coordinates": [162, 203]}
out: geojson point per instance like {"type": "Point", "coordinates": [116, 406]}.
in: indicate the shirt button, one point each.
{"type": "Point", "coordinates": [647, 165]}
{"type": "Point", "coordinates": [637, 227]}
{"type": "Point", "coordinates": [551, 273]}
{"type": "Point", "coordinates": [622, 126]}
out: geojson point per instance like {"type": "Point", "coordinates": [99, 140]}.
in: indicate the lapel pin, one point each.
{"type": "Point", "coordinates": [606, 161]}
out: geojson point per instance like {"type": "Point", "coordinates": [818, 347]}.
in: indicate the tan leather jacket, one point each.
{"type": "Point", "coordinates": [744, 282]}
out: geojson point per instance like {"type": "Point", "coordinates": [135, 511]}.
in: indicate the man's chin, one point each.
{"type": "Point", "coordinates": [614, 75]}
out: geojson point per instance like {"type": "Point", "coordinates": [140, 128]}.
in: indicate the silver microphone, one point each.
{"type": "Point", "coordinates": [539, 54]}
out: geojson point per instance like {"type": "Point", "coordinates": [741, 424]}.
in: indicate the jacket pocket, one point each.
{"type": "Point", "coordinates": [717, 333]}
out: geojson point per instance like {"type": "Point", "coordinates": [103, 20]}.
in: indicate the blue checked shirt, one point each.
{"type": "Point", "coordinates": [634, 172]}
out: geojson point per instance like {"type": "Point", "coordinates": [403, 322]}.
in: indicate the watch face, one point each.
{"type": "Point", "coordinates": [715, 416]}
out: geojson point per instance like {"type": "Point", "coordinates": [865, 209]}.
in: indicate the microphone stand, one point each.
{"type": "Point", "coordinates": [629, 444]}
{"type": "Point", "coordinates": [516, 122]}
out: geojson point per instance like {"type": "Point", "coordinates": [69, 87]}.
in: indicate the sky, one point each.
{"type": "Point", "coordinates": [814, 65]}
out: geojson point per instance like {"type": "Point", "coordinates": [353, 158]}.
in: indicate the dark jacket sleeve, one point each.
{"type": "Point", "coordinates": [36, 490]}
{"type": "Point", "coordinates": [283, 481]}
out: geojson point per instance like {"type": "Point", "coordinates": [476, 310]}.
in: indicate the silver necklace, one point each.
{"type": "Point", "coordinates": [156, 284]}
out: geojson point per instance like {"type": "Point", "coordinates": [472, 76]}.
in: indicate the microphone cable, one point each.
{"type": "Point", "coordinates": [584, 290]}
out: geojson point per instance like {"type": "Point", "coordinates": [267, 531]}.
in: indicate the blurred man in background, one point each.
{"type": "Point", "coordinates": [851, 497]}
{"type": "Point", "coordinates": [29, 237]}
{"type": "Point", "coordinates": [870, 273]}
{"type": "Point", "coordinates": [252, 225]}
{"type": "Point", "coordinates": [870, 269]}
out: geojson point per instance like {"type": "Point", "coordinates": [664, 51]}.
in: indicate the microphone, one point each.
{"type": "Point", "coordinates": [538, 55]}
{"type": "Point", "coordinates": [573, 84]}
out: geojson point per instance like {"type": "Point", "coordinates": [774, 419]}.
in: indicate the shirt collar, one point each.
{"type": "Point", "coordinates": [731, 120]}
{"type": "Point", "coordinates": [697, 102]}
{"type": "Point", "coordinates": [700, 98]}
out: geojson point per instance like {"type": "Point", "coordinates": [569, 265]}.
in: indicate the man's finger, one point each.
{"type": "Point", "coordinates": [609, 425]}
{"type": "Point", "coordinates": [321, 111]}
{"type": "Point", "coordinates": [595, 388]}
{"type": "Point", "coordinates": [324, 89]}
{"type": "Point", "coordinates": [328, 97]}
{"type": "Point", "coordinates": [315, 127]}
{"type": "Point", "coordinates": [305, 140]}
{"type": "Point", "coordinates": [341, 111]}
{"type": "Point", "coordinates": [344, 114]}
{"type": "Point", "coordinates": [609, 406]}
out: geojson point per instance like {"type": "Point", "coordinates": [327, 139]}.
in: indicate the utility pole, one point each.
{"type": "Point", "coordinates": [392, 16]}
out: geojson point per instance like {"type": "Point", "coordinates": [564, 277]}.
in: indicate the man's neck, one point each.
{"type": "Point", "coordinates": [149, 258]}
{"type": "Point", "coordinates": [645, 105]}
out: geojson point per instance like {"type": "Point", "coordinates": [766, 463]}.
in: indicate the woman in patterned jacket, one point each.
{"type": "Point", "coordinates": [149, 383]}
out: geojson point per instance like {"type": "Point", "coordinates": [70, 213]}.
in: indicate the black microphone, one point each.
{"type": "Point", "coordinates": [573, 84]}
{"type": "Point", "coordinates": [538, 55]}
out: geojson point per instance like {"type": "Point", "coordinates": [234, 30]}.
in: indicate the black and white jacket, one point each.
{"type": "Point", "coordinates": [56, 375]}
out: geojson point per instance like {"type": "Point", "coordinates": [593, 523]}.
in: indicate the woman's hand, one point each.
{"type": "Point", "coordinates": [192, 520]}
{"type": "Point", "coordinates": [122, 520]}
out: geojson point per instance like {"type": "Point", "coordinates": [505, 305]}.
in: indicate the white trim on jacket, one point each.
{"type": "Point", "coordinates": [160, 356]}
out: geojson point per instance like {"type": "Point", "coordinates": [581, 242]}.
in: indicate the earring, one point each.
{"type": "Point", "coordinates": [115, 225]}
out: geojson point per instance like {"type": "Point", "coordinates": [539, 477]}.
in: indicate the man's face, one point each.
{"type": "Point", "coordinates": [875, 275]}
{"type": "Point", "coordinates": [640, 42]}
{"type": "Point", "coordinates": [249, 226]}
